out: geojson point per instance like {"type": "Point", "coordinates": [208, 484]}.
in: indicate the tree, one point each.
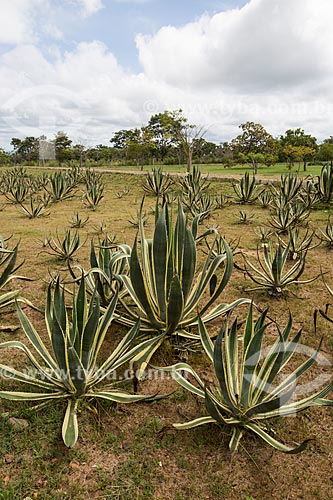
{"type": "Point", "coordinates": [190, 137]}
{"type": "Point", "coordinates": [4, 157]}
{"type": "Point", "coordinates": [137, 143]}
{"type": "Point", "coordinates": [26, 149]}
{"type": "Point", "coordinates": [63, 149]}
{"type": "Point", "coordinates": [140, 145]}
{"type": "Point", "coordinates": [165, 128]}
{"type": "Point", "coordinates": [254, 141]}
{"type": "Point", "coordinates": [325, 151]}
{"type": "Point", "coordinates": [298, 138]}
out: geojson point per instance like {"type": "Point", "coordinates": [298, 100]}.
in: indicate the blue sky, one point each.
{"type": "Point", "coordinates": [118, 22]}
{"type": "Point", "coordinates": [91, 67]}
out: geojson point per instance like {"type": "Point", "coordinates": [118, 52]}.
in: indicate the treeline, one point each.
{"type": "Point", "coordinates": [168, 138]}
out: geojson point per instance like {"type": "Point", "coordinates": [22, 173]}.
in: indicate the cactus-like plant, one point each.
{"type": "Point", "coordinates": [298, 245]}
{"type": "Point", "coordinates": [327, 236]}
{"type": "Point", "coordinates": [59, 187]}
{"type": "Point", "coordinates": [271, 274]}
{"type": "Point", "coordinates": [324, 184]}
{"type": "Point", "coordinates": [253, 387]}
{"type": "Point", "coordinates": [66, 247]}
{"type": "Point", "coordinates": [94, 193]}
{"type": "Point", "coordinates": [34, 208]}
{"type": "Point", "coordinates": [163, 282]}
{"type": "Point", "coordinates": [246, 189]}
{"type": "Point", "coordinates": [157, 182]}
{"type": "Point", "coordinates": [78, 222]}
{"type": "Point", "coordinates": [71, 371]}
{"type": "Point", "coordinates": [8, 270]}
{"type": "Point", "coordinates": [107, 261]}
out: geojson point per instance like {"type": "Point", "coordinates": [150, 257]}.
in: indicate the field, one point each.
{"type": "Point", "coordinates": [131, 452]}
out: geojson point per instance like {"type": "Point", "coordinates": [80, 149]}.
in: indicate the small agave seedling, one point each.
{"type": "Point", "coordinates": [253, 387]}
{"type": "Point", "coordinates": [271, 275]}
{"type": "Point", "coordinates": [66, 248]}
{"type": "Point", "coordinates": [34, 208]}
{"type": "Point", "coordinates": [245, 218]}
{"type": "Point", "coordinates": [264, 234]}
{"type": "Point", "coordinates": [78, 222]}
{"type": "Point", "coordinates": [71, 370]}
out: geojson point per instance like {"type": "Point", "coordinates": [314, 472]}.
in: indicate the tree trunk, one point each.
{"type": "Point", "coordinates": [255, 166]}
{"type": "Point", "coordinates": [304, 166]}
{"type": "Point", "coordinates": [189, 161]}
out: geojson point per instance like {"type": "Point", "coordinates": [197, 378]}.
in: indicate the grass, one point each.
{"type": "Point", "coordinates": [222, 170]}
{"type": "Point", "coordinates": [132, 453]}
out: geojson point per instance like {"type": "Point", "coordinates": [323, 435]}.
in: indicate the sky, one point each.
{"type": "Point", "coordinates": [92, 67]}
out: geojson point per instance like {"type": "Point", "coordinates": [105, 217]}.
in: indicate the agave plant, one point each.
{"type": "Point", "coordinates": [59, 187]}
{"type": "Point", "coordinates": [218, 247]}
{"type": "Point", "coordinates": [253, 385]}
{"type": "Point", "coordinates": [309, 195]}
{"type": "Point", "coordinates": [78, 222]}
{"type": "Point", "coordinates": [64, 248]}
{"type": "Point", "coordinates": [289, 188]}
{"type": "Point", "coordinates": [271, 275]}
{"type": "Point", "coordinates": [34, 208]}
{"type": "Point", "coordinates": [94, 194]}
{"type": "Point", "coordinates": [221, 201]}
{"type": "Point", "coordinates": [17, 192]}
{"type": "Point", "coordinates": [193, 182]}
{"type": "Point", "coordinates": [8, 269]}
{"type": "Point", "coordinates": [324, 184]}
{"type": "Point", "coordinates": [157, 182]}
{"type": "Point", "coordinates": [244, 217]}
{"type": "Point", "coordinates": [327, 236]}
{"type": "Point", "coordinates": [246, 190]}
{"type": "Point", "coordinates": [265, 198]}
{"type": "Point", "coordinates": [107, 261]}
{"type": "Point", "coordinates": [289, 216]}
{"type": "Point", "coordinates": [71, 371]}
{"type": "Point", "coordinates": [298, 245]}
{"type": "Point", "coordinates": [264, 233]}
{"type": "Point", "coordinates": [162, 282]}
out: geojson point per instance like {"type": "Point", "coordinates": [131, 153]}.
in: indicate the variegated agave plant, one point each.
{"type": "Point", "coordinates": [107, 261]}
{"type": "Point", "coordinates": [8, 268]}
{"type": "Point", "coordinates": [250, 388]}
{"type": "Point", "coordinates": [271, 275]}
{"type": "Point", "coordinates": [70, 371]}
{"type": "Point", "coordinates": [164, 284]}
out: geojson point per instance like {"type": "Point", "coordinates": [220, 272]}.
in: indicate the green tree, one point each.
{"type": "Point", "coordinates": [165, 128]}
{"type": "Point", "coordinates": [325, 151]}
{"type": "Point", "coordinates": [298, 138]}
{"type": "Point", "coordinates": [25, 149]}
{"type": "Point", "coordinates": [4, 157]}
{"type": "Point", "coordinates": [63, 149]}
{"type": "Point", "coordinates": [254, 141]}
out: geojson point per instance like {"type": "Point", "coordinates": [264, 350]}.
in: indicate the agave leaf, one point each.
{"type": "Point", "coordinates": [276, 444]}
{"type": "Point", "coordinates": [70, 429]}
{"type": "Point", "coordinates": [195, 423]}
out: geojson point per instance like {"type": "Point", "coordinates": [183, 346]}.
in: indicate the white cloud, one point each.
{"type": "Point", "coordinates": [90, 7]}
{"type": "Point", "coordinates": [267, 43]}
{"type": "Point", "coordinates": [17, 20]}
{"type": "Point", "coordinates": [269, 62]}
